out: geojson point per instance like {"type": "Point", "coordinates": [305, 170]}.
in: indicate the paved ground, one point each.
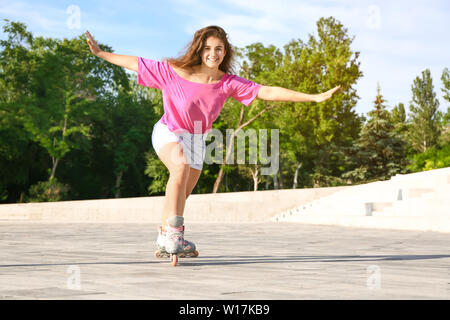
{"type": "Point", "coordinates": [237, 261]}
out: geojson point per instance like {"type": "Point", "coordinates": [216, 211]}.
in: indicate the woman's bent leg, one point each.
{"type": "Point", "coordinates": [172, 156]}
{"type": "Point", "coordinates": [194, 175]}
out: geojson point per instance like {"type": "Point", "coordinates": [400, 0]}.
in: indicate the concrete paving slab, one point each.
{"type": "Point", "coordinates": [237, 261]}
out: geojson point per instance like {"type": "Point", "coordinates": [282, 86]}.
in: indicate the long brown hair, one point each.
{"type": "Point", "coordinates": [192, 55]}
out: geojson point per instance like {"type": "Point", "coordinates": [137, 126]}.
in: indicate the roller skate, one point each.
{"type": "Point", "coordinates": [171, 243]}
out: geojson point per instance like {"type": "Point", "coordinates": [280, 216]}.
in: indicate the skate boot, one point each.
{"type": "Point", "coordinates": [189, 248]}
{"type": "Point", "coordinates": [171, 243]}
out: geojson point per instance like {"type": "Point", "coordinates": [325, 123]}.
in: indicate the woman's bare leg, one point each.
{"type": "Point", "coordinates": [192, 180]}
{"type": "Point", "coordinates": [181, 183]}
{"type": "Point", "coordinates": [175, 197]}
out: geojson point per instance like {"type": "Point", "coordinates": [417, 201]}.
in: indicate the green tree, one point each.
{"type": "Point", "coordinates": [379, 153]}
{"type": "Point", "coordinates": [446, 82]}
{"type": "Point", "coordinates": [51, 88]}
{"type": "Point", "coordinates": [444, 138]}
{"type": "Point", "coordinates": [121, 130]}
{"type": "Point", "coordinates": [131, 127]}
{"type": "Point", "coordinates": [398, 117]}
{"type": "Point", "coordinates": [424, 113]}
{"type": "Point", "coordinates": [311, 135]}
{"type": "Point", "coordinates": [16, 146]}
{"type": "Point", "coordinates": [158, 172]}
{"type": "Point", "coordinates": [314, 133]}
{"type": "Point", "coordinates": [236, 115]}
{"type": "Point", "coordinates": [434, 158]}
{"type": "Point", "coordinates": [401, 125]}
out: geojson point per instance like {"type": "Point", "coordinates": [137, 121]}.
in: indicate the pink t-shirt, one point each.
{"type": "Point", "coordinates": [187, 102]}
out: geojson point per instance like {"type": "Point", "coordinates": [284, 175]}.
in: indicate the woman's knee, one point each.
{"type": "Point", "coordinates": [179, 173]}
{"type": "Point", "coordinates": [172, 156]}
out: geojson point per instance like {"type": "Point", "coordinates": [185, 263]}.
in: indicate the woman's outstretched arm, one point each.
{"type": "Point", "coordinates": [129, 62]}
{"type": "Point", "coordinates": [282, 94]}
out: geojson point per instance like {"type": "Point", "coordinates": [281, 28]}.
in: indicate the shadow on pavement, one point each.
{"type": "Point", "coordinates": [232, 260]}
{"type": "Point", "coordinates": [236, 260]}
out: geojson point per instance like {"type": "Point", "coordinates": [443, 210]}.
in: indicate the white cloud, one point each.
{"type": "Point", "coordinates": [54, 21]}
{"type": "Point", "coordinates": [54, 18]}
{"type": "Point", "coordinates": [51, 21]}
{"type": "Point", "coordinates": [397, 39]}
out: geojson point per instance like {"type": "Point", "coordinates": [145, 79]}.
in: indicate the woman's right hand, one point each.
{"type": "Point", "coordinates": [129, 62]}
{"type": "Point", "coordinates": [95, 49]}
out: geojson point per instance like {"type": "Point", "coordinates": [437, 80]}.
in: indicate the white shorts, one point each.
{"type": "Point", "coordinates": [194, 145]}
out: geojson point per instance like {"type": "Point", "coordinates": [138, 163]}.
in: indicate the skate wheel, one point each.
{"type": "Point", "coordinates": [195, 253]}
{"type": "Point", "coordinates": [174, 259]}
{"type": "Point", "coordinates": [157, 253]}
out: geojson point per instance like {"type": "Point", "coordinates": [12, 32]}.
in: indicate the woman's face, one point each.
{"type": "Point", "coordinates": [213, 52]}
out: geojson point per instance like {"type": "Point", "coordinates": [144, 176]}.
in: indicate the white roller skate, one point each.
{"type": "Point", "coordinates": [171, 243]}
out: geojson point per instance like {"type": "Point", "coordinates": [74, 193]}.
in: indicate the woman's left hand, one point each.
{"type": "Point", "coordinates": [321, 97]}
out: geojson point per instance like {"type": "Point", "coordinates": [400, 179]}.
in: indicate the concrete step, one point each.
{"type": "Point", "coordinates": [436, 224]}
{"type": "Point", "coordinates": [415, 201]}
{"type": "Point", "coordinates": [15, 216]}
{"type": "Point", "coordinates": [246, 206]}
{"type": "Point", "coordinates": [424, 179]}
{"type": "Point", "coordinates": [423, 207]}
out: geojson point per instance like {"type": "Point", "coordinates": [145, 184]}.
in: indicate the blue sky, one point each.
{"type": "Point", "coordinates": [398, 39]}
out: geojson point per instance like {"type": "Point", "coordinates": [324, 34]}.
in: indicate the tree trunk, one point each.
{"type": "Point", "coordinates": [275, 181]}
{"type": "Point", "coordinates": [118, 182]}
{"type": "Point", "coordinates": [55, 161]}
{"type": "Point", "coordinates": [218, 179]}
{"type": "Point", "coordinates": [255, 178]}
{"type": "Point", "coordinates": [55, 164]}
{"type": "Point", "coordinates": [226, 182]}
{"type": "Point", "coordinates": [281, 184]}
{"type": "Point", "coordinates": [297, 168]}
{"type": "Point", "coordinates": [231, 143]}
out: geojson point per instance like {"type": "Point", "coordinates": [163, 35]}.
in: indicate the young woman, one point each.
{"type": "Point", "coordinates": [195, 86]}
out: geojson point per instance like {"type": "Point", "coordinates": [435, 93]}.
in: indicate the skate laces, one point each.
{"type": "Point", "coordinates": [175, 234]}
{"type": "Point", "coordinates": [187, 246]}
